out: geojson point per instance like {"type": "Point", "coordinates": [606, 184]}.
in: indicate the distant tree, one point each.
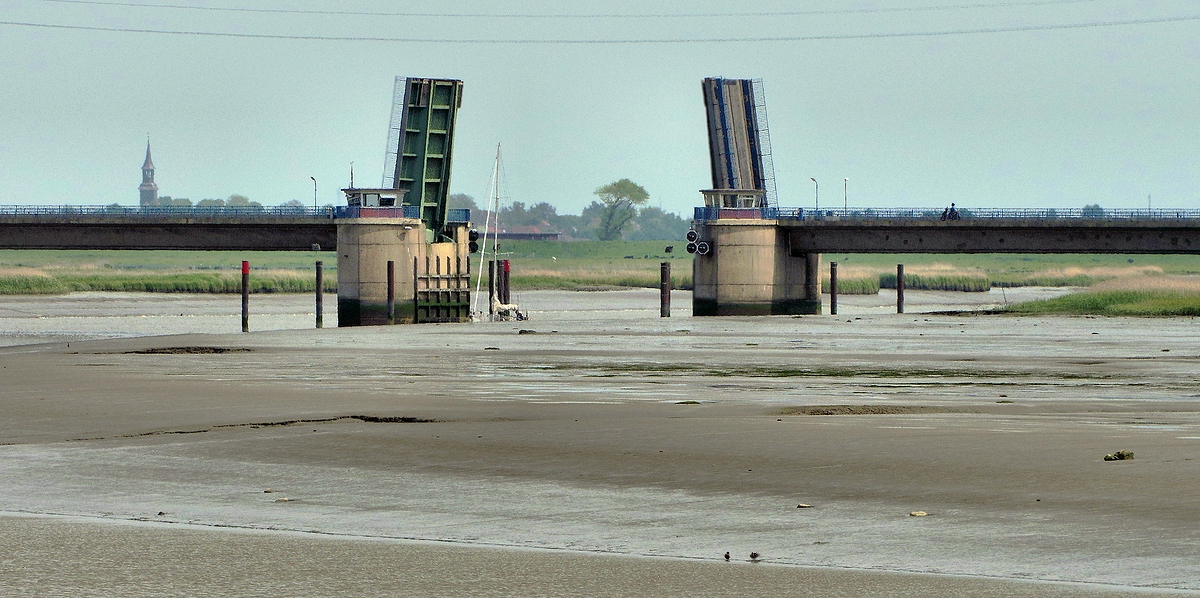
{"type": "Point", "coordinates": [514, 215]}
{"type": "Point", "coordinates": [543, 212]}
{"type": "Point", "coordinates": [572, 227]}
{"type": "Point", "coordinates": [461, 201]}
{"type": "Point", "coordinates": [242, 201]}
{"type": "Point", "coordinates": [293, 206]}
{"type": "Point", "coordinates": [541, 215]}
{"type": "Point", "coordinates": [589, 220]}
{"type": "Point", "coordinates": [654, 224]}
{"type": "Point", "coordinates": [210, 203]}
{"type": "Point", "coordinates": [1093, 211]}
{"type": "Point", "coordinates": [619, 201]}
{"type": "Point", "coordinates": [167, 200]}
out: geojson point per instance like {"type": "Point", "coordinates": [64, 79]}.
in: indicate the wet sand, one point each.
{"type": "Point", "coordinates": [122, 560]}
{"type": "Point", "coordinates": [610, 453]}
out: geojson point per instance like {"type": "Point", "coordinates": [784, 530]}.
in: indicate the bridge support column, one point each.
{"type": "Point", "coordinates": [749, 270]}
{"type": "Point", "coordinates": [440, 283]}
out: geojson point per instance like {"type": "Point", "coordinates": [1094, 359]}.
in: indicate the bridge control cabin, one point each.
{"type": "Point", "coordinates": [374, 198]}
{"type": "Point", "coordinates": [734, 198]}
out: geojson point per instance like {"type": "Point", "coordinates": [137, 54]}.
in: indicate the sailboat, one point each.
{"type": "Point", "coordinates": [498, 311]}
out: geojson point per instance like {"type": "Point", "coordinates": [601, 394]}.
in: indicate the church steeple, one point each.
{"type": "Point", "coordinates": [148, 190]}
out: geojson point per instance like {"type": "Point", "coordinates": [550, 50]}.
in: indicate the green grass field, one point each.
{"type": "Point", "coordinates": [979, 272]}
{"type": "Point", "coordinates": [162, 260]}
{"type": "Point", "coordinates": [1019, 264]}
{"type": "Point", "coordinates": [590, 265]}
{"type": "Point", "coordinates": [57, 272]}
{"type": "Point", "coordinates": [278, 281]}
{"type": "Point", "coordinates": [598, 264]}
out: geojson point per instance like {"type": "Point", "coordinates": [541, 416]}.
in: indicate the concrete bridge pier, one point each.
{"type": "Point", "coordinates": [432, 280]}
{"type": "Point", "coordinates": [749, 270]}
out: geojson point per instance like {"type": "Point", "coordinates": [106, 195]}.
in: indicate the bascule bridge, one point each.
{"type": "Point", "coordinates": [755, 257]}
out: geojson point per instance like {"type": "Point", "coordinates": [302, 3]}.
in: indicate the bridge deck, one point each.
{"type": "Point", "coordinates": [910, 230]}
{"type": "Point", "coordinates": [285, 228]}
{"type": "Point", "coordinates": [295, 229]}
{"type": "Point", "coordinates": [993, 236]}
{"type": "Point", "coordinates": [921, 230]}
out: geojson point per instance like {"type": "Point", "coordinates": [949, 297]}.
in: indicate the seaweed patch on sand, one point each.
{"type": "Point", "coordinates": [867, 410]}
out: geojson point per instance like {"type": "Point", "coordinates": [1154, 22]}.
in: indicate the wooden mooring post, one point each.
{"type": "Point", "coordinates": [833, 288]}
{"type": "Point", "coordinates": [320, 294]}
{"type": "Point", "coordinates": [664, 290]}
{"type": "Point", "coordinates": [416, 293]}
{"type": "Point", "coordinates": [391, 292]}
{"type": "Point", "coordinates": [899, 288]}
{"type": "Point", "coordinates": [245, 296]}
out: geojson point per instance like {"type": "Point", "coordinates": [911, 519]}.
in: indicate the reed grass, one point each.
{"type": "Point", "coordinates": [1044, 280]}
{"type": "Point", "coordinates": [1181, 284]}
{"type": "Point", "coordinates": [1012, 270]}
{"type": "Point", "coordinates": [161, 260]}
{"type": "Point", "coordinates": [938, 282]}
{"type": "Point", "coordinates": [854, 286]}
{"type": "Point", "coordinates": [576, 265]}
{"type": "Point", "coordinates": [31, 285]}
{"type": "Point", "coordinates": [593, 279]}
{"type": "Point", "coordinates": [192, 282]}
{"type": "Point", "coordinates": [1071, 276]}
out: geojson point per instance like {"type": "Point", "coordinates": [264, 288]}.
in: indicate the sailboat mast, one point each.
{"type": "Point", "coordinates": [493, 207]}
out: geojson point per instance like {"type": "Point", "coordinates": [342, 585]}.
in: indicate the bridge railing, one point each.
{"type": "Point", "coordinates": [413, 212]}
{"type": "Point", "coordinates": [703, 214]}
{"type": "Point", "coordinates": [168, 211]}
{"type": "Point", "coordinates": [454, 215]}
{"type": "Point", "coordinates": [410, 212]}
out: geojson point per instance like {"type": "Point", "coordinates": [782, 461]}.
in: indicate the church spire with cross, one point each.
{"type": "Point", "coordinates": [148, 190]}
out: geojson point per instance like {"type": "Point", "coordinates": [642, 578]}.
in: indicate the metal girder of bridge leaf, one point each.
{"type": "Point", "coordinates": [738, 139]}
{"type": "Point", "coordinates": [420, 144]}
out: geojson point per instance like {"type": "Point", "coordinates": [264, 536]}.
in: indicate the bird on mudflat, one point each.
{"type": "Point", "coordinates": [727, 556]}
{"type": "Point", "coordinates": [754, 556]}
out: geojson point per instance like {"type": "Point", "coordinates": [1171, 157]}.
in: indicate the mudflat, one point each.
{"type": "Point", "coordinates": [611, 454]}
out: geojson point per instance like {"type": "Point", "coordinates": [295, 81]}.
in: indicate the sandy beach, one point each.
{"type": "Point", "coordinates": [609, 452]}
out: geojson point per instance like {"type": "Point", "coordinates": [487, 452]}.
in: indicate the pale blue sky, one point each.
{"type": "Point", "coordinates": [1034, 115]}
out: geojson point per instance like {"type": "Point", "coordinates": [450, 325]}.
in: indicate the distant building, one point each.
{"type": "Point", "coordinates": [148, 191]}
{"type": "Point", "coordinates": [524, 232]}
{"type": "Point", "coordinates": [528, 236]}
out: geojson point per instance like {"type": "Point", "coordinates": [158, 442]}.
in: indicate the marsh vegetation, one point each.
{"type": "Point", "coordinates": [1167, 285]}
{"type": "Point", "coordinates": [1144, 295]}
